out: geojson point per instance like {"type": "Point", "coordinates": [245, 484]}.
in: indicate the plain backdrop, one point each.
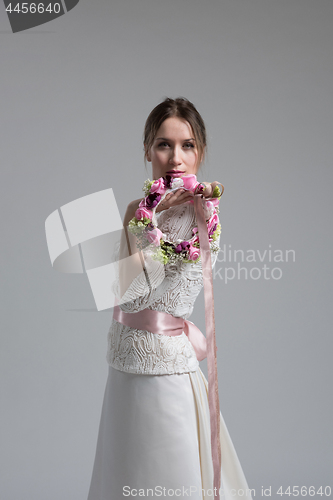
{"type": "Point", "coordinates": [75, 94]}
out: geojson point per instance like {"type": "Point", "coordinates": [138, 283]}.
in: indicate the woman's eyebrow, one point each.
{"type": "Point", "coordinates": [165, 139]}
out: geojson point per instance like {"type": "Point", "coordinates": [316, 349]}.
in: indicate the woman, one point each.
{"type": "Point", "coordinates": [154, 436]}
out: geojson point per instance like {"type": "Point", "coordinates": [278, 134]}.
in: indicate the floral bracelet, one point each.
{"type": "Point", "coordinates": [144, 224]}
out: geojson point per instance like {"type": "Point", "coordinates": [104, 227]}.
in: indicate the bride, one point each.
{"type": "Point", "coordinates": [154, 437]}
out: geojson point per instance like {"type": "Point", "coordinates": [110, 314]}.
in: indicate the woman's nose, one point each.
{"type": "Point", "coordinates": [175, 157]}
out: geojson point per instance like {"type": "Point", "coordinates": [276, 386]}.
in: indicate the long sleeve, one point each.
{"type": "Point", "coordinates": [171, 288]}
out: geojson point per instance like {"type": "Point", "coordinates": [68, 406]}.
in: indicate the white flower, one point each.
{"type": "Point", "coordinates": [209, 209]}
{"type": "Point", "coordinates": [177, 183]}
{"type": "Point", "coordinates": [146, 186]}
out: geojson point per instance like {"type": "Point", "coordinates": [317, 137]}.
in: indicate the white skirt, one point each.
{"type": "Point", "coordinates": [154, 441]}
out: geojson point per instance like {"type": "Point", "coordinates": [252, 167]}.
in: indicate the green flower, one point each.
{"type": "Point", "coordinates": [217, 232]}
{"type": "Point", "coordinates": [160, 255]}
{"type": "Point", "coordinates": [136, 226]}
{"type": "Point", "coordinates": [217, 193]}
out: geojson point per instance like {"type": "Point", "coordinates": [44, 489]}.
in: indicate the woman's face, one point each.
{"type": "Point", "coordinates": [174, 150]}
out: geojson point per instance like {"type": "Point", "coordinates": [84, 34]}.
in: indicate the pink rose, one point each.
{"type": "Point", "coordinates": [215, 201]}
{"type": "Point", "coordinates": [143, 212]}
{"type": "Point", "coordinates": [158, 186]}
{"type": "Point", "coordinates": [213, 221]}
{"type": "Point", "coordinates": [154, 236]}
{"type": "Point", "coordinates": [200, 188]}
{"type": "Point", "coordinates": [190, 182]}
{"type": "Point", "coordinates": [193, 252]}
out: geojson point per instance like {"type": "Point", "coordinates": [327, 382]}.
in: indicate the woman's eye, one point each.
{"type": "Point", "coordinates": [187, 145]}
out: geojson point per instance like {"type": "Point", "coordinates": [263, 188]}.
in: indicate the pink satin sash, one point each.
{"type": "Point", "coordinates": [166, 324]}
{"type": "Point", "coordinates": [163, 323]}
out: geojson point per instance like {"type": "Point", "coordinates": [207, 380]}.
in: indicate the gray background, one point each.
{"type": "Point", "coordinates": [74, 97]}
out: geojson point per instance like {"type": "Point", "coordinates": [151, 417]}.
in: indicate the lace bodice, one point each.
{"type": "Point", "coordinates": [171, 288]}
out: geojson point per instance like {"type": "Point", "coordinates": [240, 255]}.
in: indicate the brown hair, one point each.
{"type": "Point", "coordinates": [181, 108]}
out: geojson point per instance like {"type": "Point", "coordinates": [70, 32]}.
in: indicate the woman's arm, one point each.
{"type": "Point", "coordinates": [131, 259]}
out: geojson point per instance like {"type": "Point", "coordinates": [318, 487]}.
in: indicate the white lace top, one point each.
{"type": "Point", "coordinates": [171, 288]}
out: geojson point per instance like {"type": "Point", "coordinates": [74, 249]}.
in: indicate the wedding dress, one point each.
{"type": "Point", "coordinates": [154, 434]}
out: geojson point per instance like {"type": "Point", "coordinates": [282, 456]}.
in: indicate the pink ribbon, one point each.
{"type": "Point", "coordinates": [166, 324]}
{"type": "Point", "coordinates": [213, 391]}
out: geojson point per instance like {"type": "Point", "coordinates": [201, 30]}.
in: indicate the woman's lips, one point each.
{"type": "Point", "coordinates": [175, 173]}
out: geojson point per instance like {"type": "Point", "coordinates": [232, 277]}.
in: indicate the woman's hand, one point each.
{"type": "Point", "coordinates": [208, 192]}
{"type": "Point", "coordinates": [182, 195]}
{"type": "Point", "coordinates": [175, 198]}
